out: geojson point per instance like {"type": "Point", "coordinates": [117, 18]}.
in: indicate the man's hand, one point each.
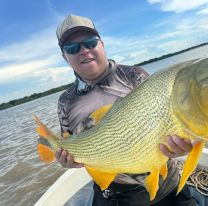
{"type": "Point", "coordinates": [179, 147]}
{"type": "Point", "coordinates": [66, 160]}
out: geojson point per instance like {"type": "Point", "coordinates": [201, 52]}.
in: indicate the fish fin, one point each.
{"type": "Point", "coordinates": [164, 171]}
{"type": "Point", "coordinates": [41, 129]}
{"type": "Point", "coordinates": [191, 163]}
{"type": "Point", "coordinates": [100, 113]}
{"type": "Point", "coordinates": [42, 132]}
{"type": "Point", "coordinates": [45, 153]}
{"type": "Point", "coordinates": [151, 183]}
{"type": "Point", "coordinates": [103, 179]}
{"type": "Point", "coordinates": [66, 135]}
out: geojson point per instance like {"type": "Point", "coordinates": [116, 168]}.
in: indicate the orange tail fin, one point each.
{"type": "Point", "coordinates": [41, 129]}
{"type": "Point", "coordinates": [46, 154]}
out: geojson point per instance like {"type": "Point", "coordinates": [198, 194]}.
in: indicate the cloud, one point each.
{"type": "Point", "coordinates": [12, 72]}
{"type": "Point", "coordinates": [38, 45]}
{"type": "Point", "coordinates": [175, 45]}
{"type": "Point", "coordinates": [17, 71]}
{"type": "Point", "coordinates": [56, 75]}
{"type": "Point", "coordinates": [43, 72]}
{"type": "Point", "coordinates": [59, 16]}
{"type": "Point", "coordinates": [172, 35]}
{"type": "Point", "coordinates": [179, 5]}
{"type": "Point", "coordinates": [38, 55]}
{"type": "Point", "coordinates": [203, 11]}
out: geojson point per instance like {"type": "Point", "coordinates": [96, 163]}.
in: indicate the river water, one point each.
{"type": "Point", "coordinates": [23, 177]}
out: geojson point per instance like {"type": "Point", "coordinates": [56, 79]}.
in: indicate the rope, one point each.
{"type": "Point", "coordinates": [198, 179]}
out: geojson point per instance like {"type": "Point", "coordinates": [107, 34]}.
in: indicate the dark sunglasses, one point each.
{"type": "Point", "coordinates": [74, 48]}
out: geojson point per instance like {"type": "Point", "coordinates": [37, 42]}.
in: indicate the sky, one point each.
{"type": "Point", "coordinates": [132, 31]}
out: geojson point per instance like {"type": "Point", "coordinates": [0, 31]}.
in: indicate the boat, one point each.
{"type": "Point", "coordinates": [74, 180]}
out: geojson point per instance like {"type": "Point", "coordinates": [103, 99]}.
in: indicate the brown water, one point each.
{"type": "Point", "coordinates": [23, 177]}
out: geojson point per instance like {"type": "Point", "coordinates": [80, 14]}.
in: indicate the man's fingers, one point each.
{"type": "Point", "coordinates": [72, 164]}
{"type": "Point", "coordinates": [66, 160]}
{"type": "Point", "coordinates": [58, 153]}
{"type": "Point", "coordinates": [173, 143]}
{"type": "Point", "coordinates": [63, 158]}
{"type": "Point", "coordinates": [166, 151]}
{"type": "Point", "coordinates": [177, 145]}
{"type": "Point", "coordinates": [184, 144]}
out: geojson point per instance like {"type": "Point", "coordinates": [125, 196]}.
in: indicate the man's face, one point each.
{"type": "Point", "coordinates": [89, 64]}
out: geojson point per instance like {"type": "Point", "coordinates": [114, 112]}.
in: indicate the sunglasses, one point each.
{"type": "Point", "coordinates": [74, 48]}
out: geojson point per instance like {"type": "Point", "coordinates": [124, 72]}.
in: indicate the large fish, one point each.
{"type": "Point", "coordinates": [127, 138]}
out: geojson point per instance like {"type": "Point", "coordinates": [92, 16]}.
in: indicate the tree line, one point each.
{"type": "Point", "coordinates": [34, 96]}
{"type": "Point", "coordinates": [169, 55]}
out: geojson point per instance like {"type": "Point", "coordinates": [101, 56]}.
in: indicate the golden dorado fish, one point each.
{"type": "Point", "coordinates": [127, 138]}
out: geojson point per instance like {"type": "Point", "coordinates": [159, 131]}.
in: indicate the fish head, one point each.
{"type": "Point", "coordinates": [190, 97]}
{"type": "Point", "coordinates": [201, 76]}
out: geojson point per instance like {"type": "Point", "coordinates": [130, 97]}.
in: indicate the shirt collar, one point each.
{"type": "Point", "coordinates": [83, 87]}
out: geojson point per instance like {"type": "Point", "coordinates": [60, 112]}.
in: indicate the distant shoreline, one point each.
{"type": "Point", "coordinates": [169, 55]}
{"type": "Point", "coordinates": [34, 96]}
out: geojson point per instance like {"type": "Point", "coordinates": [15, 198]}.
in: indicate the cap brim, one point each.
{"type": "Point", "coordinates": [74, 30]}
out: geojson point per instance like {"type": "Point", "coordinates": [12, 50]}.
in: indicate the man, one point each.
{"type": "Point", "coordinates": [99, 82]}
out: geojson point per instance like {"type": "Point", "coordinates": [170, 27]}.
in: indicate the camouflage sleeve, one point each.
{"type": "Point", "coordinates": [63, 117]}
{"type": "Point", "coordinates": [139, 74]}
{"type": "Point", "coordinates": [135, 74]}
{"type": "Point", "coordinates": [72, 120]}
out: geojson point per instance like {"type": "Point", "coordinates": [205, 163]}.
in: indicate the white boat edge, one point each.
{"type": "Point", "coordinates": [64, 187]}
{"type": "Point", "coordinates": [74, 179]}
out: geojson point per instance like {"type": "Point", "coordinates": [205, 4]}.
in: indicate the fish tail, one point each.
{"type": "Point", "coordinates": [45, 151]}
{"type": "Point", "coordinates": [46, 154]}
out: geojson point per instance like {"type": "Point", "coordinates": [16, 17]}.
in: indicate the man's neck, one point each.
{"type": "Point", "coordinates": [106, 70]}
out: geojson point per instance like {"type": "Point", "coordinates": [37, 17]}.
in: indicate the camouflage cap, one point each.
{"type": "Point", "coordinates": [72, 24]}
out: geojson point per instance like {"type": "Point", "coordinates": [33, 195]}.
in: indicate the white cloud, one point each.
{"type": "Point", "coordinates": [14, 72]}
{"type": "Point", "coordinates": [38, 45]}
{"type": "Point", "coordinates": [56, 74]}
{"type": "Point", "coordinates": [178, 34]}
{"type": "Point", "coordinates": [171, 34]}
{"type": "Point", "coordinates": [175, 45]}
{"type": "Point", "coordinates": [203, 11]}
{"type": "Point", "coordinates": [203, 25]}
{"type": "Point", "coordinates": [179, 5]}
{"type": "Point", "coordinates": [59, 16]}
{"type": "Point", "coordinates": [39, 55]}
{"type": "Point", "coordinates": [43, 71]}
